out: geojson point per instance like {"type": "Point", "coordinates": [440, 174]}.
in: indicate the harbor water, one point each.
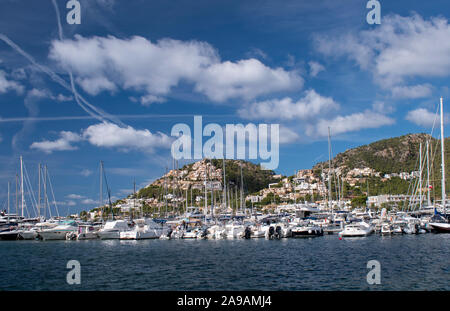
{"type": "Point", "coordinates": [408, 262]}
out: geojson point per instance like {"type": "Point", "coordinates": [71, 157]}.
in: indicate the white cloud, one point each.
{"type": "Point", "coordinates": [96, 85]}
{"type": "Point", "coordinates": [107, 135]}
{"type": "Point", "coordinates": [89, 202]}
{"type": "Point", "coordinates": [315, 68]}
{"type": "Point", "coordinates": [9, 85]}
{"type": "Point", "coordinates": [288, 136]}
{"type": "Point", "coordinates": [75, 196]}
{"type": "Point", "coordinates": [62, 98]}
{"type": "Point", "coordinates": [311, 105]}
{"type": "Point", "coordinates": [126, 138]}
{"type": "Point", "coordinates": [107, 63]}
{"type": "Point", "coordinates": [398, 49]}
{"type": "Point", "coordinates": [147, 100]}
{"type": "Point", "coordinates": [382, 107]}
{"type": "Point", "coordinates": [412, 92]}
{"type": "Point", "coordinates": [423, 117]}
{"type": "Point", "coordinates": [64, 143]}
{"type": "Point", "coordinates": [86, 172]}
{"type": "Point", "coordinates": [245, 79]}
{"type": "Point", "coordinates": [350, 123]}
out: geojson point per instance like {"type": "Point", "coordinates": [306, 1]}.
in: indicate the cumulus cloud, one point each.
{"type": "Point", "coordinates": [311, 105]}
{"type": "Point", "coordinates": [350, 123]}
{"type": "Point", "coordinates": [109, 63]}
{"type": "Point", "coordinates": [423, 117]}
{"type": "Point", "coordinates": [412, 92]}
{"type": "Point", "coordinates": [315, 68]}
{"type": "Point", "coordinates": [107, 135]}
{"type": "Point", "coordinates": [398, 49]}
{"type": "Point", "coordinates": [9, 85]}
{"type": "Point", "coordinates": [64, 143]}
{"type": "Point", "coordinates": [110, 135]}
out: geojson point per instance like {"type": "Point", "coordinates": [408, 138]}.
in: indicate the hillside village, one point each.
{"type": "Point", "coordinates": [184, 188]}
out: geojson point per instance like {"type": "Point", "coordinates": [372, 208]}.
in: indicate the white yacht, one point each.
{"type": "Point", "coordinates": [306, 231]}
{"type": "Point", "coordinates": [234, 231]}
{"type": "Point", "coordinates": [27, 232]}
{"type": "Point", "coordinates": [386, 229]}
{"type": "Point", "coordinates": [144, 229]}
{"type": "Point", "coordinates": [59, 232]}
{"type": "Point", "coordinates": [112, 229]}
{"type": "Point", "coordinates": [257, 231]}
{"type": "Point", "coordinates": [356, 230]}
{"type": "Point", "coordinates": [87, 232]}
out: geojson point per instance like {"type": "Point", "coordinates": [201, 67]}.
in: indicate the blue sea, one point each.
{"type": "Point", "coordinates": [408, 262]}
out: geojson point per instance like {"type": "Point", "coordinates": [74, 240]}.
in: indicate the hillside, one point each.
{"type": "Point", "coordinates": [395, 155]}
{"type": "Point", "coordinates": [392, 155]}
{"type": "Point", "coordinates": [193, 176]}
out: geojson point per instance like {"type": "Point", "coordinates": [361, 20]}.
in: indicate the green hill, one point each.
{"type": "Point", "coordinates": [395, 155]}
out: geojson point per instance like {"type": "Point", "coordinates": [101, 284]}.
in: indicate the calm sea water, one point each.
{"type": "Point", "coordinates": [326, 263]}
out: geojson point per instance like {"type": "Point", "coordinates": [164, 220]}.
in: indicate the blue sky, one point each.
{"type": "Point", "coordinates": [144, 66]}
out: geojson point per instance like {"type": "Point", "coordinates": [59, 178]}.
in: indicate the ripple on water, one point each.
{"type": "Point", "coordinates": [326, 263]}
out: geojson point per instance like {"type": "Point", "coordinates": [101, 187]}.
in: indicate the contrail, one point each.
{"type": "Point", "coordinates": [101, 115]}
{"type": "Point", "coordinates": [58, 19]}
{"type": "Point", "coordinates": [123, 116]}
{"type": "Point", "coordinates": [77, 96]}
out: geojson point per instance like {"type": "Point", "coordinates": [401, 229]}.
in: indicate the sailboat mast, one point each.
{"type": "Point", "coordinates": [8, 198]}
{"type": "Point", "coordinates": [420, 176]}
{"type": "Point", "coordinates": [242, 190]}
{"type": "Point", "coordinates": [206, 191]}
{"type": "Point", "coordinates": [21, 183]}
{"type": "Point", "coordinates": [329, 170]}
{"type": "Point", "coordinates": [101, 190]}
{"type": "Point", "coordinates": [39, 194]}
{"type": "Point", "coordinates": [134, 194]}
{"type": "Point", "coordinates": [17, 196]}
{"type": "Point", "coordinates": [428, 176]}
{"type": "Point", "coordinates": [443, 154]}
{"type": "Point", "coordinates": [224, 184]}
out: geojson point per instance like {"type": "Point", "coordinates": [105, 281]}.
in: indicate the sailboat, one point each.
{"type": "Point", "coordinates": [12, 232]}
{"type": "Point", "coordinates": [442, 226]}
{"type": "Point", "coordinates": [112, 229]}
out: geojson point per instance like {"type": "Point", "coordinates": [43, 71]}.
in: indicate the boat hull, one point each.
{"type": "Point", "coordinates": [28, 235]}
{"type": "Point", "coordinates": [53, 235]}
{"type": "Point", "coordinates": [440, 227]}
{"type": "Point", "coordinates": [306, 233]}
{"type": "Point", "coordinates": [10, 236]}
{"type": "Point", "coordinates": [109, 235]}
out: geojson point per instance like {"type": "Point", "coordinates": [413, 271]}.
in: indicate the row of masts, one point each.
{"type": "Point", "coordinates": [420, 186]}
{"type": "Point", "coordinates": [42, 202]}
